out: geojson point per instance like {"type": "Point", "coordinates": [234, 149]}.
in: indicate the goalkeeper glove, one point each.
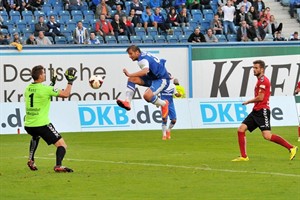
{"type": "Point", "coordinates": [53, 78]}
{"type": "Point", "coordinates": [70, 75]}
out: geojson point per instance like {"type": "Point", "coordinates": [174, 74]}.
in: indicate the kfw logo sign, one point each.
{"type": "Point", "coordinates": [102, 116]}
{"type": "Point", "coordinates": [222, 112]}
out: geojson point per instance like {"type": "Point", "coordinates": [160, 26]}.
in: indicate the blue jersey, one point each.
{"type": "Point", "coordinates": [167, 94]}
{"type": "Point", "coordinates": [157, 69]}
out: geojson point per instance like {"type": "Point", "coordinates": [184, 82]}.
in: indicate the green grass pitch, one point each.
{"type": "Point", "coordinates": [138, 165]}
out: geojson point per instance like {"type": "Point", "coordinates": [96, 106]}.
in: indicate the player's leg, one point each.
{"type": "Point", "coordinates": [172, 116]}
{"type": "Point", "coordinates": [132, 81]}
{"type": "Point", "coordinates": [51, 136]}
{"type": "Point", "coordinates": [34, 142]}
{"type": "Point", "coordinates": [164, 128]}
{"type": "Point", "coordinates": [263, 120]}
{"type": "Point", "coordinates": [151, 95]}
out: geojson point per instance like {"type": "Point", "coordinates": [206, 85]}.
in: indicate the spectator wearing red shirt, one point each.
{"type": "Point", "coordinates": [103, 27]}
{"type": "Point", "coordinates": [260, 115]}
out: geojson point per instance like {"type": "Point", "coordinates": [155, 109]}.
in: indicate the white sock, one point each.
{"type": "Point", "coordinates": [159, 102]}
{"type": "Point", "coordinates": [129, 94]}
{"type": "Point", "coordinates": [164, 130]}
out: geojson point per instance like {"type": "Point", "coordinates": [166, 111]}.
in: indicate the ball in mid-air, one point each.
{"type": "Point", "coordinates": [95, 81]}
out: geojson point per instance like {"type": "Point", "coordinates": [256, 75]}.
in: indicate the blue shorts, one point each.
{"type": "Point", "coordinates": [156, 85]}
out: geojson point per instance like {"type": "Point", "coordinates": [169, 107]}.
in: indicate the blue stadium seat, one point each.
{"type": "Point", "coordinates": [140, 31]}
{"type": "Point", "coordinates": [110, 39]}
{"type": "Point", "coordinates": [60, 40]}
{"type": "Point", "coordinates": [4, 15]}
{"type": "Point", "coordinates": [197, 15]}
{"type": "Point", "coordinates": [221, 38]}
{"type": "Point", "coordinates": [152, 31]}
{"type": "Point", "coordinates": [21, 24]}
{"type": "Point", "coordinates": [88, 15]}
{"type": "Point", "coordinates": [31, 24]}
{"type": "Point", "coordinates": [52, 12]}
{"type": "Point", "coordinates": [26, 32]}
{"type": "Point", "coordinates": [233, 38]}
{"type": "Point", "coordinates": [160, 39]}
{"type": "Point", "coordinates": [14, 30]}
{"type": "Point", "coordinates": [10, 24]}
{"type": "Point", "coordinates": [172, 39]}
{"type": "Point", "coordinates": [127, 4]}
{"type": "Point", "coordinates": [27, 15]}
{"type": "Point", "coordinates": [4, 31]}
{"type": "Point", "coordinates": [64, 16]}
{"type": "Point", "coordinates": [46, 7]}
{"type": "Point", "coordinates": [208, 14]}
{"type": "Point", "coordinates": [86, 23]}
{"type": "Point", "coordinates": [194, 23]}
{"type": "Point", "coordinates": [38, 13]}
{"type": "Point", "coordinates": [183, 38]}
{"type": "Point", "coordinates": [123, 39]}
{"type": "Point", "coordinates": [14, 16]}
{"type": "Point", "coordinates": [187, 30]}
{"type": "Point", "coordinates": [67, 32]}
{"type": "Point", "coordinates": [204, 25]}
{"type": "Point", "coordinates": [77, 15]}
{"type": "Point", "coordinates": [70, 40]}
{"type": "Point", "coordinates": [57, 6]}
{"type": "Point", "coordinates": [147, 39]}
{"type": "Point", "coordinates": [71, 24]}
{"type": "Point", "coordinates": [177, 31]}
{"type": "Point", "coordinates": [136, 39]}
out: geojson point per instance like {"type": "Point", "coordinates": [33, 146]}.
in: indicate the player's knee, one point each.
{"type": "Point", "coordinates": [173, 121]}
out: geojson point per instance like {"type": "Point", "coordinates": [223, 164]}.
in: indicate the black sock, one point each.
{"type": "Point", "coordinates": [33, 146]}
{"type": "Point", "coordinates": [60, 153]}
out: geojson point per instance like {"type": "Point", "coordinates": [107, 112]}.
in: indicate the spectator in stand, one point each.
{"type": "Point", "coordinates": [154, 4]}
{"type": "Point", "coordinates": [37, 5]}
{"type": "Point", "coordinates": [166, 4]}
{"type": "Point", "coordinates": [4, 39]}
{"type": "Point", "coordinates": [222, 3]}
{"type": "Point", "coordinates": [148, 18]}
{"type": "Point", "coordinates": [278, 36]}
{"type": "Point", "coordinates": [180, 89]}
{"type": "Point", "coordinates": [294, 4]}
{"type": "Point", "coordinates": [119, 27]}
{"type": "Point", "coordinates": [138, 7]}
{"type": "Point", "coordinates": [295, 36]}
{"type": "Point", "coordinates": [93, 39]}
{"type": "Point", "coordinates": [42, 26]}
{"type": "Point", "coordinates": [257, 33]}
{"type": "Point", "coordinates": [3, 5]}
{"type": "Point", "coordinates": [26, 5]}
{"type": "Point", "coordinates": [119, 11]}
{"type": "Point", "coordinates": [80, 34]}
{"type": "Point", "coordinates": [264, 24]}
{"type": "Point", "coordinates": [94, 5]}
{"type": "Point", "coordinates": [259, 5]}
{"type": "Point", "coordinates": [243, 33]}
{"type": "Point", "coordinates": [103, 27]}
{"type": "Point", "coordinates": [12, 5]}
{"type": "Point", "coordinates": [216, 25]}
{"type": "Point", "coordinates": [196, 36]}
{"type": "Point", "coordinates": [193, 4]}
{"type": "Point", "coordinates": [274, 26]}
{"type": "Point", "coordinates": [135, 19]}
{"type": "Point", "coordinates": [252, 15]}
{"type": "Point", "coordinates": [229, 11]}
{"type": "Point", "coordinates": [129, 25]}
{"type": "Point", "coordinates": [54, 26]}
{"type": "Point", "coordinates": [246, 4]}
{"type": "Point", "coordinates": [210, 37]}
{"type": "Point", "coordinates": [161, 22]}
{"type": "Point", "coordinates": [113, 4]}
{"type": "Point", "coordinates": [220, 13]}
{"type": "Point", "coordinates": [31, 40]}
{"type": "Point", "coordinates": [241, 16]}
{"type": "Point", "coordinates": [16, 38]}
{"type": "Point", "coordinates": [204, 4]}
{"type": "Point", "coordinates": [266, 14]}
{"type": "Point", "coordinates": [74, 5]}
{"type": "Point", "coordinates": [184, 17]}
{"type": "Point", "coordinates": [179, 4]}
{"type": "Point", "coordinates": [173, 18]}
{"type": "Point", "coordinates": [103, 8]}
{"type": "Point", "coordinates": [42, 40]}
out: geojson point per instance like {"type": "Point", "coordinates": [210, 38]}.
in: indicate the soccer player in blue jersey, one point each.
{"type": "Point", "coordinates": [167, 94]}
{"type": "Point", "coordinates": [153, 74]}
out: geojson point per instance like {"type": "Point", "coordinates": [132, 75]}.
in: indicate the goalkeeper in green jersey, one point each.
{"type": "Point", "coordinates": [37, 123]}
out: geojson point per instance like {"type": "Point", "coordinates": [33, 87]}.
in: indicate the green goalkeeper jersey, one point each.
{"type": "Point", "coordinates": [37, 104]}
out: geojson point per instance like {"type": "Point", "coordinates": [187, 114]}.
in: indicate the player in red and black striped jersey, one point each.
{"type": "Point", "coordinates": [260, 115]}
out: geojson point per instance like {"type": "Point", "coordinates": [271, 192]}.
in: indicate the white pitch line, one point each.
{"type": "Point", "coordinates": [177, 166]}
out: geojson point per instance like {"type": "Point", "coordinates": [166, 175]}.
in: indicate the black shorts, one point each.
{"type": "Point", "coordinates": [259, 118]}
{"type": "Point", "coordinates": [47, 132]}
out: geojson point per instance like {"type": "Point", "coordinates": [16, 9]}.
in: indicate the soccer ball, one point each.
{"type": "Point", "coordinates": [95, 81]}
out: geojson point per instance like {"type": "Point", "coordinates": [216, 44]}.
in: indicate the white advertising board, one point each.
{"type": "Point", "coordinates": [76, 116]}
{"type": "Point", "coordinates": [15, 68]}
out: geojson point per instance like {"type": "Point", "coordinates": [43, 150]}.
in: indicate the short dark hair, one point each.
{"type": "Point", "coordinates": [37, 71]}
{"type": "Point", "coordinates": [261, 63]}
{"type": "Point", "coordinates": [133, 48]}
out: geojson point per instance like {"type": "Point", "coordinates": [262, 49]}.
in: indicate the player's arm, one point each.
{"type": "Point", "coordinates": [258, 98]}
{"type": "Point", "coordinates": [66, 92]}
{"type": "Point", "coordinates": [142, 72]}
